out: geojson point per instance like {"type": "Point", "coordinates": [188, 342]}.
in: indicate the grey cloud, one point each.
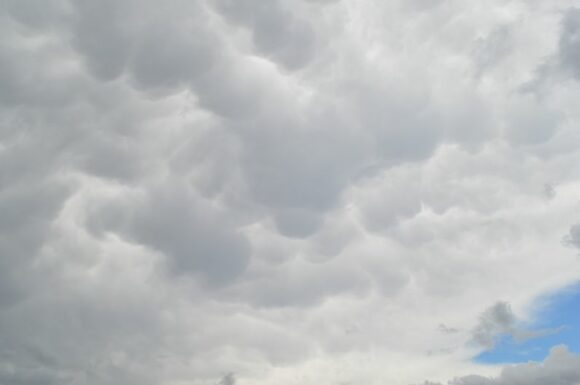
{"type": "Point", "coordinates": [304, 284]}
{"type": "Point", "coordinates": [528, 122]}
{"type": "Point", "coordinates": [423, 5]}
{"type": "Point", "coordinates": [194, 238]}
{"type": "Point", "coordinates": [294, 160]}
{"type": "Point", "coordinates": [402, 129]}
{"type": "Point", "coordinates": [224, 89]}
{"type": "Point", "coordinates": [28, 210]}
{"type": "Point", "coordinates": [493, 48]}
{"type": "Point", "coordinates": [494, 321]}
{"type": "Point", "coordinates": [322, 1]}
{"type": "Point", "coordinates": [106, 327]}
{"type": "Point", "coordinates": [297, 173]}
{"type": "Point", "coordinates": [565, 62]}
{"type": "Point", "coordinates": [36, 13]}
{"type": "Point", "coordinates": [446, 329]}
{"type": "Point", "coordinates": [32, 189]}
{"type": "Point", "coordinates": [305, 171]}
{"type": "Point", "coordinates": [169, 57]}
{"type": "Point", "coordinates": [118, 37]}
{"type": "Point", "coordinates": [561, 367]}
{"type": "Point", "coordinates": [304, 281]}
{"type": "Point", "coordinates": [333, 237]}
{"type": "Point", "coordinates": [388, 199]}
{"type": "Point", "coordinates": [573, 236]}
{"type": "Point", "coordinates": [499, 320]}
{"type": "Point", "coordinates": [297, 223]}
{"type": "Point", "coordinates": [102, 34]}
{"type": "Point", "coordinates": [224, 142]}
{"type": "Point", "coordinates": [25, 84]}
{"type": "Point", "coordinates": [112, 156]}
{"type": "Point", "coordinates": [549, 190]}
{"type": "Point", "coordinates": [569, 45]}
{"type": "Point", "coordinates": [228, 379]}
{"type": "Point", "coordinates": [277, 33]}
{"type": "Point", "coordinates": [171, 219]}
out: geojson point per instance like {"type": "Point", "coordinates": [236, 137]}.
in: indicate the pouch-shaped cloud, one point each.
{"type": "Point", "coordinates": [297, 192]}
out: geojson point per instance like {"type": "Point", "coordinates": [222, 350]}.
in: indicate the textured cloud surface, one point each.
{"type": "Point", "coordinates": [286, 192]}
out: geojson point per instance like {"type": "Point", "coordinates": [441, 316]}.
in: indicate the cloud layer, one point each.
{"type": "Point", "coordinates": [283, 192]}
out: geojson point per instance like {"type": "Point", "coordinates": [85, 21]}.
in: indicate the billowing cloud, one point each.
{"type": "Point", "coordinates": [284, 192]}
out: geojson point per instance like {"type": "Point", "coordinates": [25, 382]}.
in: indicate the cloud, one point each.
{"type": "Point", "coordinates": [560, 367]}
{"type": "Point", "coordinates": [277, 33]}
{"type": "Point", "coordinates": [292, 191]}
{"type": "Point", "coordinates": [446, 329]}
{"type": "Point", "coordinates": [570, 42]}
{"type": "Point", "coordinates": [496, 320]}
{"type": "Point", "coordinates": [228, 379]}
{"type": "Point", "coordinates": [573, 236]}
{"type": "Point", "coordinates": [172, 219]}
{"type": "Point", "coordinates": [499, 321]}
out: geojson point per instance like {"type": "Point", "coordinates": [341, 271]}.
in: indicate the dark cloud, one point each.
{"type": "Point", "coordinates": [569, 45]}
{"type": "Point", "coordinates": [37, 14]}
{"type": "Point", "coordinates": [277, 33]}
{"type": "Point", "coordinates": [102, 34]}
{"type": "Point", "coordinates": [297, 223]}
{"type": "Point", "coordinates": [573, 236]}
{"type": "Point", "coordinates": [493, 322]}
{"type": "Point", "coordinates": [173, 220]}
{"type": "Point", "coordinates": [549, 190]}
{"type": "Point", "coordinates": [498, 321]}
{"type": "Point", "coordinates": [228, 379]}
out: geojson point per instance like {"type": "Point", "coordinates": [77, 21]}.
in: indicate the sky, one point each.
{"type": "Point", "coordinates": [556, 323]}
{"type": "Point", "coordinates": [289, 192]}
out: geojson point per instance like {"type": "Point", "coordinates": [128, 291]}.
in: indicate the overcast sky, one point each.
{"type": "Point", "coordinates": [289, 192]}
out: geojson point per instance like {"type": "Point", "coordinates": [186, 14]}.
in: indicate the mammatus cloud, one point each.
{"type": "Point", "coordinates": [561, 367]}
{"type": "Point", "coordinates": [297, 192]}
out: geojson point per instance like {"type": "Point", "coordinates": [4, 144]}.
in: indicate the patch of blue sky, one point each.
{"type": "Point", "coordinates": [559, 313]}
